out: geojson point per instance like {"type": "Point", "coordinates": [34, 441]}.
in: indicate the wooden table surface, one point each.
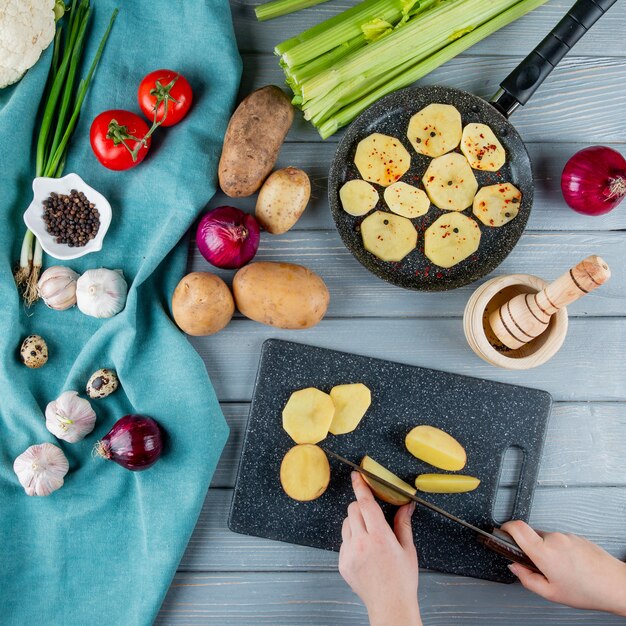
{"type": "Point", "coordinates": [225, 578]}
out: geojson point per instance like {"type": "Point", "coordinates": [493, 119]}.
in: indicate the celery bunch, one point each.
{"type": "Point", "coordinates": [340, 67]}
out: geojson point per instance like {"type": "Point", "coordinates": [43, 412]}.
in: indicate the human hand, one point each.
{"type": "Point", "coordinates": [380, 564]}
{"type": "Point", "coordinates": [575, 571]}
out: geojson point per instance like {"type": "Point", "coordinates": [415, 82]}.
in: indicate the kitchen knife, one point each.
{"type": "Point", "coordinates": [497, 541]}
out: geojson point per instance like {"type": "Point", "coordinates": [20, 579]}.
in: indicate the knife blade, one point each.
{"type": "Point", "coordinates": [497, 541]}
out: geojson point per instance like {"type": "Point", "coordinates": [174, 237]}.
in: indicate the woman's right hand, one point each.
{"type": "Point", "coordinates": [575, 571]}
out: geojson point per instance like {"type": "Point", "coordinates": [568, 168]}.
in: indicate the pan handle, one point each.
{"type": "Point", "coordinates": [521, 83]}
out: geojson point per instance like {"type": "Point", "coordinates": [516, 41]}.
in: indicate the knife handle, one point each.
{"type": "Point", "coordinates": [503, 544]}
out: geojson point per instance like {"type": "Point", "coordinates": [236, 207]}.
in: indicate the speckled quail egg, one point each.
{"type": "Point", "coordinates": [34, 351]}
{"type": "Point", "coordinates": [102, 383]}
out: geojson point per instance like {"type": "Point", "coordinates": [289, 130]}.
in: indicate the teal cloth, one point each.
{"type": "Point", "coordinates": [104, 548]}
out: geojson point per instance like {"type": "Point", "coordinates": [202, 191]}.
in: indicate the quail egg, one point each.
{"type": "Point", "coordinates": [34, 351]}
{"type": "Point", "coordinates": [102, 383]}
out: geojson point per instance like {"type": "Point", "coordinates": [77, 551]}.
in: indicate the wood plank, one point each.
{"type": "Point", "coordinates": [516, 39]}
{"type": "Point", "coordinates": [323, 598]}
{"type": "Point", "coordinates": [584, 98]}
{"type": "Point", "coordinates": [596, 513]}
{"type": "Point", "coordinates": [355, 292]}
{"type": "Point", "coordinates": [585, 445]}
{"type": "Point", "coordinates": [549, 211]}
{"type": "Point", "coordinates": [574, 373]}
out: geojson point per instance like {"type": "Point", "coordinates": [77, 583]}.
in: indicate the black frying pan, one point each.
{"type": "Point", "coordinates": [391, 116]}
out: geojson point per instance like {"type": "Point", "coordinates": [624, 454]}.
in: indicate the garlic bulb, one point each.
{"type": "Point", "coordinates": [69, 417]}
{"type": "Point", "coordinates": [57, 287]}
{"type": "Point", "coordinates": [101, 293]}
{"type": "Point", "coordinates": [41, 468]}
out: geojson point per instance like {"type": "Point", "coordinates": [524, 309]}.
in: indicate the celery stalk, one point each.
{"type": "Point", "coordinates": [420, 69]}
{"type": "Point", "coordinates": [278, 8]}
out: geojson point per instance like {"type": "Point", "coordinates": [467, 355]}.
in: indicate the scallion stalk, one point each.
{"type": "Point", "coordinates": [278, 8]}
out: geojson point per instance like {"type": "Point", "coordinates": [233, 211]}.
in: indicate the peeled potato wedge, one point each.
{"type": "Point", "coordinates": [450, 182]}
{"type": "Point", "coordinates": [381, 159]}
{"type": "Point", "coordinates": [436, 447]}
{"type": "Point", "coordinates": [380, 491]}
{"type": "Point", "coordinates": [351, 403]}
{"type": "Point", "coordinates": [305, 472]}
{"type": "Point", "coordinates": [497, 205]}
{"type": "Point", "coordinates": [482, 148]}
{"type": "Point", "coordinates": [446, 483]}
{"type": "Point", "coordinates": [406, 200]}
{"type": "Point", "coordinates": [358, 197]}
{"type": "Point", "coordinates": [389, 237]}
{"type": "Point", "coordinates": [450, 239]}
{"type": "Point", "coordinates": [435, 130]}
{"type": "Point", "coordinates": [307, 415]}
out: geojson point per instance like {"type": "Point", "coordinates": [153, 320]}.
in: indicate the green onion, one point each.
{"type": "Point", "coordinates": [278, 8]}
{"type": "Point", "coordinates": [61, 101]}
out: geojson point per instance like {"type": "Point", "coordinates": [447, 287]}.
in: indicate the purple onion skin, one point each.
{"type": "Point", "coordinates": [135, 442]}
{"type": "Point", "coordinates": [227, 237]}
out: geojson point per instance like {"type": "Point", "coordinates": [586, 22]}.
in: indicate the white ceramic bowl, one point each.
{"type": "Point", "coordinates": [33, 216]}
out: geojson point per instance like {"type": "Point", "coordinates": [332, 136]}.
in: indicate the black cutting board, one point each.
{"type": "Point", "coordinates": [485, 417]}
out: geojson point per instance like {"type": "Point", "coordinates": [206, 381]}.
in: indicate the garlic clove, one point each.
{"type": "Point", "coordinates": [101, 292]}
{"type": "Point", "coordinates": [57, 287]}
{"type": "Point", "coordinates": [41, 469]}
{"type": "Point", "coordinates": [70, 417]}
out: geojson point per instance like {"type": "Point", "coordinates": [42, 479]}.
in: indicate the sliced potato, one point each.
{"type": "Point", "coordinates": [435, 130]}
{"type": "Point", "coordinates": [305, 472]}
{"type": "Point", "coordinates": [482, 148]}
{"type": "Point", "coordinates": [497, 205]}
{"type": "Point", "coordinates": [358, 197]}
{"type": "Point", "coordinates": [307, 415]}
{"type": "Point", "coordinates": [388, 236]}
{"type": "Point", "coordinates": [437, 447]}
{"type": "Point", "coordinates": [380, 491]}
{"type": "Point", "coordinates": [446, 483]}
{"type": "Point", "coordinates": [406, 200]}
{"type": "Point", "coordinates": [351, 403]}
{"type": "Point", "coordinates": [450, 182]}
{"type": "Point", "coordinates": [381, 159]}
{"type": "Point", "coordinates": [450, 239]}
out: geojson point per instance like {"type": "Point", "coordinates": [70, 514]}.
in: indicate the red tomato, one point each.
{"type": "Point", "coordinates": [162, 85]}
{"type": "Point", "coordinates": [114, 135]}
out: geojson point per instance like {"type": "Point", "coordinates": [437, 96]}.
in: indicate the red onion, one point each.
{"type": "Point", "coordinates": [134, 442]}
{"type": "Point", "coordinates": [594, 180]}
{"type": "Point", "coordinates": [227, 237]}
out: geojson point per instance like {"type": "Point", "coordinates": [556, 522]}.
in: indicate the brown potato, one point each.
{"type": "Point", "coordinates": [202, 304]}
{"type": "Point", "coordinates": [436, 447]}
{"type": "Point", "coordinates": [281, 294]}
{"type": "Point", "coordinates": [255, 133]}
{"type": "Point", "coordinates": [307, 415]}
{"type": "Point", "coordinates": [282, 200]}
{"type": "Point", "coordinates": [380, 490]}
{"type": "Point", "coordinates": [305, 472]}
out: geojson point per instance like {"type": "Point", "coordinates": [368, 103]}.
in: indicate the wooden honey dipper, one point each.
{"type": "Point", "coordinates": [526, 316]}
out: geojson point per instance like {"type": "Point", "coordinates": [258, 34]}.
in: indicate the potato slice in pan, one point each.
{"type": "Point", "coordinates": [305, 472]}
{"type": "Point", "coordinates": [381, 159]}
{"type": "Point", "coordinates": [380, 491]}
{"type": "Point", "coordinates": [358, 197]}
{"type": "Point", "coordinates": [446, 483]}
{"type": "Point", "coordinates": [307, 415]}
{"type": "Point", "coordinates": [450, 182]}
{"type": "Point", "coordinates": [406, 200]}
{"type": "Point", "coordinates": [482, 148]}
{"type": "Point", "coordinates": [435, 130]}
{"type": "Point", "coordinates": [351, 403]}
{"type": "Point", "coordinates": [450, 239]}
{"type": "Point", "coordinates": [496, 205]}
{"type": "Point", "coordinates": [389, 237]}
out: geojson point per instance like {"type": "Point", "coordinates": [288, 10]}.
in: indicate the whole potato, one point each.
{"type": "Point", "coordinates": [282, 200]}
{"type": "Point", "coordinates": [281, 294]}
{"type": "Point", "coordinates": [202, 304]}
{"type": "Point", "coordinates": [255, 133]}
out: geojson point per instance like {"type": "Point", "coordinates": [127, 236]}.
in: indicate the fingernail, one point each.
{"type": "Point", "coordinates": [513, 568]}
{"type": "Point", "coordinates": [411, 508]}
{"type": "Point", "coordinates": [353, 475]}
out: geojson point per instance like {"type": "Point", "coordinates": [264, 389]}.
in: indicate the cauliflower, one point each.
{"type": "Point", "coordinates": [26, 29]}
